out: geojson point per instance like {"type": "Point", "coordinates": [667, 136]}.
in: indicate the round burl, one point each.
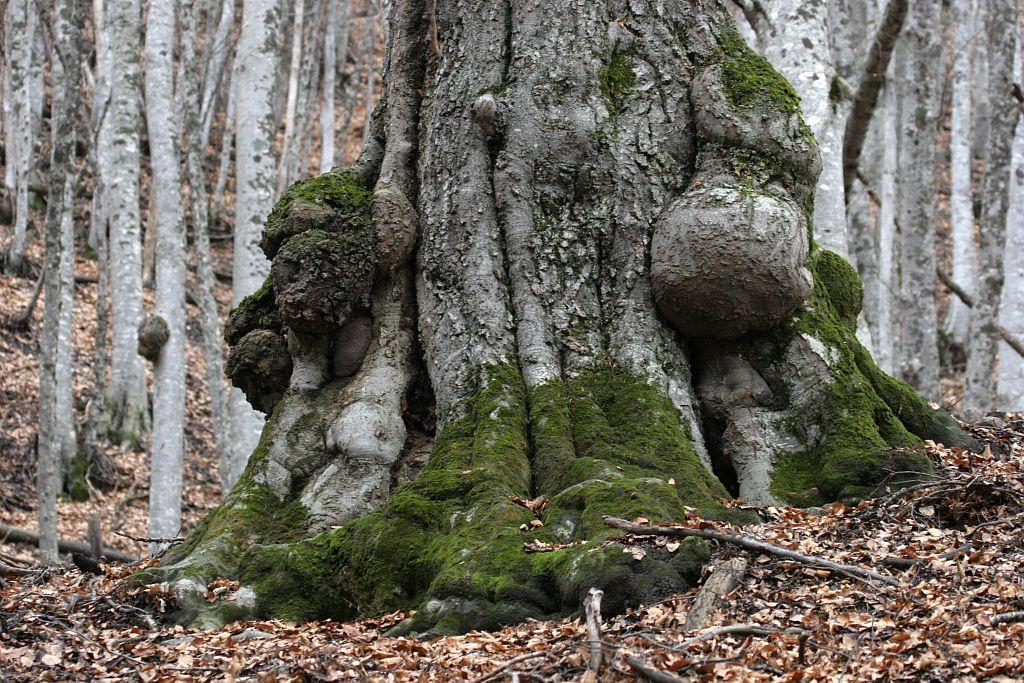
{"type": "Point", "coordinates": [727, 260]}
{"type": "Point", "coordinates": [320, 277]}
{"type": "Point", "coordinates": [259, 365]}
{"type": "Point", "coordinates": [351, 343]}
{"type": "Point", "coordinates": [153, 334]}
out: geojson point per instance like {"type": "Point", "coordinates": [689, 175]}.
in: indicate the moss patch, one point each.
{"type": "Point", "coordinates": [615, 81]}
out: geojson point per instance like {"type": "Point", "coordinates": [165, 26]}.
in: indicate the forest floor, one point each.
{"type": "Point", "coordinates": [794, 622]}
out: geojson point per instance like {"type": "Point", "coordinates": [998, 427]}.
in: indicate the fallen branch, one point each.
{"type": "Point", "coordinates": [1007, 618]}
{"type": "Point", "coordinates": [751, 544]}
{"type": "Point", "coordinates": [745, 630]}
{"type": "Point", "coordinates": [722, 581]}
{"type": "Point", "coordinates": [13, 534]}
{"type": "Point", "coordinates": [649, 673]}
{"type": "Point", "coordinates": [169, 540]}
{"type": "Point", "coordinates": [11, 570]}
{"type": "Point", "coordinates": [1009, 337]}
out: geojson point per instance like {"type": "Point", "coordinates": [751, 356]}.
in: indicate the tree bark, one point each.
{"type": "Point", "coordinates": [570, 277]}
{"type": "Point", "coordinates": [21, 17]}
{"type": "Point", "coordinates": [961, 163]}
{"type": "Point", "coordinates": [798, 45]}
{"type": "Point", "coordinates": [980, 396]}
{"type": "Point", "coordinates": [125, 402]}
{"type": "Point", "coordinates": [56, 416]}
{"type": "Point", "coordinates": [1011, 301]}
{"type": "Point", "coordinates": [918, 60]}
{"type": "Point", "coordinates": [167, 451]}
{"type": "Point", "coordinates": [256, 66]}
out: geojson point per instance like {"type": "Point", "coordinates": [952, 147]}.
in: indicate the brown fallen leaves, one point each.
{"type": "Point", "coordinates": [959, 533]}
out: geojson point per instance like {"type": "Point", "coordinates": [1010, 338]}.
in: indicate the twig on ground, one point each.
{"type": "Point", "coordinates": [169, 540]}
{"type": "Point", "coordinates": [751, 544]}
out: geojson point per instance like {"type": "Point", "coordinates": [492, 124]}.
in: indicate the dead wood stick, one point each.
{"type": "Point", "coordinates": [649, 673]}
{"type": "Point", "coordinates": [11, 570]}
{"type": "Point", "coordinates": [1011, 340]}
{"type": "Point", "coordinates": [1007, 618]}
{"type": "Point", "coordinates": [743, 630]}
{"type": "Point", "coordinates": [13, 534]}
{"type": "Point", "coordinates": [751, 544]}
{"type": "Point", "coordinates": [725, 577]}
{"type": "Point", "coordinates": [592, 606]}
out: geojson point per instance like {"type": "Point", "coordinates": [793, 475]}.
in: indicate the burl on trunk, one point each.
{"type": "Point", "coordinates": [574, 262]}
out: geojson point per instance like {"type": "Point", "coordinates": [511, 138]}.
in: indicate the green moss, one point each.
{"type": "Point", "coordinates": [750, 80]}
{"type": "Point", "coordinates": [256, 311]}
{"type": "Point", "coordinates": [335, 201]}
{"type": "Point", "coordinates": [616, 81]}
{"type": "Point", "coordinates": [858, 440]}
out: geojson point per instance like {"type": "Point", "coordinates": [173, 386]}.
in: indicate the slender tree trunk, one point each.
{"type": "Point", "coordinates": [126, 400]}
{"type": "Point", "coordinates": [371, 66]}
{"type": "Point", "coordinates": [167, 451]}
{"type": "Point", "coordinates": [337, 12]}
{"type": "Point", "coordinates": [1003, 17]}
{"type": "Point", "coordinates": [1011, 301]}
{"type": "Point", "coordinates": [217, 51]}
{"type": "Point", "coordinates": [189, 97]}
{"type": "Point", "coordinates": [22, 17]}
{"type": "Point", "coordinates": [601, 283]}
{"type": "Point", "coordinates": [227, 145]}
{"type": "Point", "coordinates": [961, 162]}
{"type": "Point", "coordinates": [919, 84]}
{"type": "Point", "coordinates": [298, 15]}
{"type": "Point", "coordinates": [798, 44]}
{"type": "Point", "coordinates": [255, 69]}
{"type": "Point", "coordinates": [56, 419]}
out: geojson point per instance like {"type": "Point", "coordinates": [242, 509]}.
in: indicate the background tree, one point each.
{"type": "Point", "coordinates": [167, 352]}
{"type": "Point", "coordinates": [125, 402]}
{"type": "Point", "coordinates": [613, 287]}
{"type": "Point", "coordinates": [1004, 110]}
{"type": "Point", "coordinates": [255, 127]}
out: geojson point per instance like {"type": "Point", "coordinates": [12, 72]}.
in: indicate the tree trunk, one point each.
{"type": "Point", "coordinates": [255, 128]}
{"type": "Point", "coordinates": [21, 19]}
{"type": "Point", "coordinates": [125, 403]}
{"type": "Point", "coordinates": [961, 162]}
{"type": "Point", "coordinates": [798, 45]}
{"type": "Point", "coordinates": [56, 417]}
{"type": "Point", "coordinates": [1011, 301]}
{"type": "Point", "coordinates": [980, 397]}
{"type": "Point", "coordinates": [917, 62]}
{"type": "Point", "coordinates": [598, 278]}
{"type": "Point", "coordinates": [167, 452]}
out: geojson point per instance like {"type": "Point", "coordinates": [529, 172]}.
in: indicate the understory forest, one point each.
{"type": "Point", "coordinates": [483, 340]}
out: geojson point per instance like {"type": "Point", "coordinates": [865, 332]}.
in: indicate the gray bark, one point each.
{"type": "Point", "coordinates": [255, 69]}
{"type": "Point", "coordinates": [798, 45]}
{"type": "Point", "coordinates": [21, 18]}
{"type": "Point", "coordinates": [980, 397]}
{"type": "Point", "coordinates": [1011, 301]}
{"type": "Point", "coordinates": [56, 417]}
{"type": "Point", "coordinates": [919, 85]}
{"type": "Point", "coordinates": [288, 141]}
{"type": "Point", "coordinates": [961, 163]}
{"type": "Point", "coordinates": [167, 451]}
{"type": "Point", "coordinates": [126, 400]}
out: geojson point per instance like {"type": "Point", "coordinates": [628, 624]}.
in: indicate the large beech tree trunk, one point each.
{"type": "Point", "coordinates": [572, 262]}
